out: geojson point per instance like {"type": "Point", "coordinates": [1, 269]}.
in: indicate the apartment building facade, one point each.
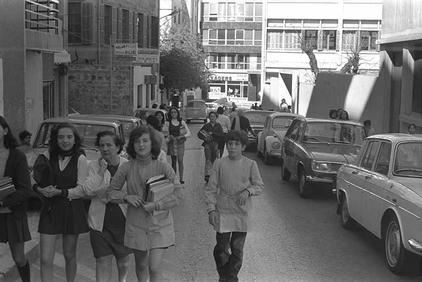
{"type": "Point", "coordinates": [34, 62]}
{"type": "Point", "coordinates": [232, 39]}
{"type": "Point", "coordinates": [114, 46]}
{"type": "Point", "coordinates": [401, 52]}
{"type": "Point", "coordinates": [335, 29]}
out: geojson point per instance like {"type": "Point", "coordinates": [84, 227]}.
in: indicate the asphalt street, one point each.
{"type": "Point", "coordinates": [292, 239]}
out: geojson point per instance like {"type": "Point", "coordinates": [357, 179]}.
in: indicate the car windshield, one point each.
{"type": "Point", "coordinates": [408, 161]}
{"type": "Point", "coordinates": [255, 117]}
{"type": "Point", "coordinates": [88, 133]}
{"type": "Point", "coordinates": [330, 132]}
{"type": "Point", "coordinates": [282, 123]}
{"type": "Point", "coordinates": [196, 104]}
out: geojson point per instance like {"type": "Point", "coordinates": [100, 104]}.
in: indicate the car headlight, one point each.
{"type": "Point", "coordinates": [276, 145]}
{"type": "Point", "coordinates": [324, 166]}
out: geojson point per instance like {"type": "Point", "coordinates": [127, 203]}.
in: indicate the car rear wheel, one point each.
{"type": "Point", "coordinates": [346, 220]}
{"type": "Point", "coordinates": [285, 173]}
{"type": "Point", "coordinates": [304, 187]}
{"type": "Point", "coordinates": [396, 256]}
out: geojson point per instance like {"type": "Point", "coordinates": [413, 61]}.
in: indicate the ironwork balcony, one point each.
{"type": "Point", "coordinates": [43, 16]}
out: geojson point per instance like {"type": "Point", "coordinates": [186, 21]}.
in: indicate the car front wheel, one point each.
{"type": "Point", "coordinates": [304, 186]}
{"type": "Point", "coordinates": [396, 256]}
{"type": "Point", "coordinates": [346, 220]}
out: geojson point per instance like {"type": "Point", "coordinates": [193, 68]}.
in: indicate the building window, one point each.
{"type": "Point", "coordinates": [274, 39]}
{"type": "Point", "coordinates": [74, 22]}
{"type": "Point", "coordinates": [48, 99]}
{"type": "Point", "coordinates": [213, 11]}
{"type": "Point", "coordinates": [119, 25]}
{"type": "Point", "coordinates": [417, 84]}
{"type": "Point", "coordinates": [292, 39]}
{"type": "Point", "coordinates": [329, 40]}
{"type": "Point", "coordinates": [231, 61]}
{"type": "Point", "coordinates": [148, 33]}
{"type": "Point", "coordinates": [258, 12]}
{"type": "Point", "coordinates": [311, 38]}
{"type": "Point", "coordinates": [108, 21]}
{"type": "Point", "coordinates": [350, 39]}
{"type": "Point", "coordinates": [368, 40]}
{"type": "Point", "coordinates": [248, 36]}
{"type": "Point", "coordinates": [221, 37]}
{"type": "Point", "coordinates": [231, 12]}
{"type": "Point", "coordinates": [222, 11]}
{"type": "Point", "coordinates": [230, 36]}
{"type": "Point", "coordinates": [125, 25]}
{"type": "Point", "coordinates": [249, 12]}
{"type": "Point", "coordinates": [134, 22]}
{"type": "Point", "coordinates": [240, 12]}
{"type": "Point", "coordinates": [155, 33]}
{"type": "Point", "coordinates": [140, 30]}
{"type": "Point", "coordinates": [239, 36]}
{"type": "Point", "coordinates": [258, 37]}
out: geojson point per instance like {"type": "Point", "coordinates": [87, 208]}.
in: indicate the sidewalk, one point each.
{"type": "Point", "coordinates": [8, 271]}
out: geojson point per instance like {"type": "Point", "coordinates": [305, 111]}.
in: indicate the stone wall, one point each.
{"type": "Point", "coordinates": [89, 89]}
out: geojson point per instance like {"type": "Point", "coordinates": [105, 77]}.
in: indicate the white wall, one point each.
{"type": "Point", "coordinates": [139, 79]}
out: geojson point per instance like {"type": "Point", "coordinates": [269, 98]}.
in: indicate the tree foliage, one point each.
{"type": "Point", "coordinates": [182, 60]}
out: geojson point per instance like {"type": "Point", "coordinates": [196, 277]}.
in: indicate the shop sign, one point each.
{"type": "Point", "coordinates": [229, 77]}
{"type": "Point", "coordinates": [147, 59]}
{"type": "Point", "coordinates": [215, 93]}
{"type": "Point", "coordinates": [125, 49]}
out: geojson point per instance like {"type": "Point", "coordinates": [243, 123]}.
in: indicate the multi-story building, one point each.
{"type": "Point", "coordinates": [34, 61]}
{"type": "Point", "coordinates": [401, 45]}
{"type": "Point", "coordinates": [334, 29]}
{"type": "Point", "coordinates": [115, 56]}
{"type": "Point", "coordinates": [232, 38]}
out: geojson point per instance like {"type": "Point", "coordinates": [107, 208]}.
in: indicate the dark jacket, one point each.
{"type": "Point", "coordinates": [244, 124]}
{"type": "Point", "coordinates": [17, 169]}
{"type": "Point", "coordinates": [216, 133]}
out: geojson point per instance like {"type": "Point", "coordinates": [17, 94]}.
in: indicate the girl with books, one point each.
{"type": "Point", "coordinates": [147, 234]}
{"type": "Point", "coordinates": [13, 218]}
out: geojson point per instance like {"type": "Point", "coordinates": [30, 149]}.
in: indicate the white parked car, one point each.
{"type": "Point", "coordinates": [383, 193]}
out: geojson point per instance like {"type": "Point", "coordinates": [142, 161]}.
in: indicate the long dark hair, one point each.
{"type": "Point", "coordinates": [138, 132]}
{"type": "Point", "coordinates": [178, 114]}
{"type": "Point", "coordinates": [54, 148]}
{"type": "Point", "coordinates": [9, 141]}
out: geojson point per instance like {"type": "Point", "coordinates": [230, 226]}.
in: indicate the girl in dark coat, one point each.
{"type": "Point", "coordinates": [13, 219]}
{"type": "Point", "coordinates": [59, 215]}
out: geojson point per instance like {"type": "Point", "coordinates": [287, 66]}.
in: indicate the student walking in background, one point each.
{"type": "Point", "coordinates": [107, 220]}
{"type": "Point", "coordinates": [224, 121]}
{"type": "Point", "coordinates": [13, 218]}
{"type": "Point", "coordinates": [59, 215]}
{"type": "Point", "coordinates": [178, 132]}
{"type": "Point", "coordinates": [25, 138]}
{"type": "Point", "coordinates": [211, 133]}
{"type": "Point", "coordinates": [233, 181]}
{"type": "Point", "coordinates": [148, 235]}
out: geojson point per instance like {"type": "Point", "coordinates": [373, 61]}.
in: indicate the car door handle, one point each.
{"type": "Point", "coordinates": [368, 176]}
{"type": "Point", "coordinates": [355, 172]}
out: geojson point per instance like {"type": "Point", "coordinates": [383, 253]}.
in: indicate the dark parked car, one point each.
{"type": "Point", "coordinates": [314, 149]}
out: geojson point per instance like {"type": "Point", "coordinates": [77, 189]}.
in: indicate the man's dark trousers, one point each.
{"type": "Point", "coordinates": [229, 262]}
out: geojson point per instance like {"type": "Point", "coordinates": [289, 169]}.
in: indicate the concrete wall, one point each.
{"type": "Point", "coordinates": [33, 90]}
{"type": "Point", "coordinates": [401, 16]}
{"type": "Point", "coordinates": [89, 89]}
{"type": "Point", "coordinates": [362, 96]}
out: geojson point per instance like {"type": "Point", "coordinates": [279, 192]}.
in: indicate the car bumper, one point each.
{"type": "Point", "coordinates": [415, 245]}
{"type": "Point", "coordinates": [322, 178]}
{"type": "Point", "coordinates": [275, 153]}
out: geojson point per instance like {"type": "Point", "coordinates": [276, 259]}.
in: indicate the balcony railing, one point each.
{"type": "Point", "coordinates": [42, 15]}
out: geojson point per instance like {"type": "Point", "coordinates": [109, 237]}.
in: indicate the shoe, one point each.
{"type": "Point", "coordinates": [182, 182]}
{"type": "Point", "coordinates": [207, 177]}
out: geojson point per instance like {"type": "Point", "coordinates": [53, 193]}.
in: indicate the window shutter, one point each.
{"type": "Point", "coordinates": [338, 37]}
{"type": "Point", "coordinates": [378, 45]}
{"type": "Point", "coordinates": [320, 40]}
{"type": "Point", "coordinates": [87, 24]}
{"type": "Point", "coordinates": [101, 23]}
{"type": "Point", "coordinates": [114, 25]}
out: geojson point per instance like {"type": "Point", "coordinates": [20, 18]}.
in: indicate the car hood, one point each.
{"type": "Point", "coordinates": [412, 183]}
{"type": "Point", "coordinates": [344, 153]}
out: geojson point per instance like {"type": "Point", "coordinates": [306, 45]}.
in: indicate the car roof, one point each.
{"type": "Point", "coordinates": [81, 121]}
{"type": "Point", "coordinates": [105, 117]}
{"type": "Point", "coordinates": [397, 137]}
{"type": "Point", "coordinates": [284, 114]}
{"type": "Point", "coordinates": [258, 111]}
{"type": "Point", "coordinates": [331, 121]}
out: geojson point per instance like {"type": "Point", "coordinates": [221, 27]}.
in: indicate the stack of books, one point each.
{"type": "Point", "coordinates": [205, 136]}
{"type": "Point", "coordinates": [6, 188]}
{"type": "Point", "coordinates": [157, 188]}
